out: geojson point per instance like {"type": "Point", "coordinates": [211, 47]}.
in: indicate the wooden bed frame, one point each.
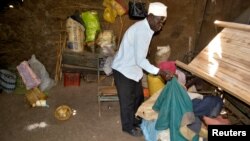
{"type": "Point", "coordinates": [225, 61]}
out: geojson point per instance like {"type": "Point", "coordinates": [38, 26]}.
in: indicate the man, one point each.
{"type": "Point", "coordinates": [130, 61]}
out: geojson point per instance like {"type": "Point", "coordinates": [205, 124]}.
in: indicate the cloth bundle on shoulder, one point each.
{"type": "Point", "coordinates": [137, 9]}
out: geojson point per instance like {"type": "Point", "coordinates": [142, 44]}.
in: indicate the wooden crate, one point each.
{"type": "Point", "coordinates": [71, 79]}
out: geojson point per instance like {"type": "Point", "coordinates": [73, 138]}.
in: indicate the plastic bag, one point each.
{"type": "Point", "coordinates": [109, 15]}
{"type": "Point", "coordinates": [41, 72]}
{"type": "Point", "coordinates": [162, 54]}
{"type": "Point", "coordinates": [76, 36]}
{"type": "Point", "coordinates": [137, 10]}
{"type": "Point", "coordinates": [106, 40]}
{"type": "Point", "coordinates": [92, 25]}
{"type": "Point", "coordinates": [115, 5]}
{"type": "Point", "coordinates": [107, 65]}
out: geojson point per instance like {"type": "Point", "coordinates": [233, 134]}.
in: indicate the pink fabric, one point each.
{"type": "Point", "coordinates": [216, 121]}
{"type": "Point", "coordinates": [28, 76]}
{"type": "Point", "coordinates": [168, 66]}
{"type": "Point", "coordinates": [181, 77]}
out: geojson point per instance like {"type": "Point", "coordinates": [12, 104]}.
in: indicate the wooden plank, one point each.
{"type": "Point", "coordinates": [225, 63]}
{"type": "Point", "coordinates": [227, 59]}
{"type": "Point", "coordinates": [232, 25]}
{"type": "Point", "coordinates": [228, 62]}
{"type": "Point", "coordinates": [223, 45]}
{"type": "Point", "coordinates": [236, 35]}
{"type": "Point", "coordinates": [241, 94]}
{"type": "Point", "coordinates": [84, 60]}
{"type": "Point", "coordinates": [220, 73]}
{"type": "Point", "coordinates": [232, 73]}
{"type": "Point", "coordinates": [107, 90]}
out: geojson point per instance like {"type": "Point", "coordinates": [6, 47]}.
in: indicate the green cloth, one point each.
{"type": "Point", "coordinates": [172, 106]}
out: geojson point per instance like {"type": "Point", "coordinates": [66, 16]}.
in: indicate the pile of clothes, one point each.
{"type": "Point", "coordinates": [174, 113]}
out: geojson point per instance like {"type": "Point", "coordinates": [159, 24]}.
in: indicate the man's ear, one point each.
{"type": "Point", "coordinates": [150, 15]}
{"type": "Point", "coordinates": [150, 18]}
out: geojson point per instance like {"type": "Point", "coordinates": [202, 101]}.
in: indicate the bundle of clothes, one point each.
{"type": "Point", "coordinates": [175, 114]}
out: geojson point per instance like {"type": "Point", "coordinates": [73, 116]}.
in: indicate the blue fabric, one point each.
{"type": "Point", "coordinates": [209, 106]}
{"type": "Point", "coordinates": [148, 129]}
{"type": "Point", "coordinates": [172, 104]}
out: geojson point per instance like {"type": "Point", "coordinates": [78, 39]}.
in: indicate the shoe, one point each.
{"type": "Point", "coordinates": [137, 120]}
{"type": "Point", "coordinates": [138, 127]}
{"type": "Point", "coordinates": [134, 132]}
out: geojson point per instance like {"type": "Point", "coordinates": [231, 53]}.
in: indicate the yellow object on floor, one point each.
{"type": "Point", "coordinates": [34, 95]}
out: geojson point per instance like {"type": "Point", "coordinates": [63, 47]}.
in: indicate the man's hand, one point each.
{"type": "Point", "coordinates": [165, 75]}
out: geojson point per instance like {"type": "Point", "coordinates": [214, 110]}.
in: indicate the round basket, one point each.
{"type": "Point", "coordinates": [63, 112]}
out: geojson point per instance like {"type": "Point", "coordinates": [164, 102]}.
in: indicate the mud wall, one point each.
{"type": "Point", "coordinates": [34, 27]}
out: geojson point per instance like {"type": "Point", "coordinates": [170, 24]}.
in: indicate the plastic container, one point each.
{"type": "Point", "coordinates": [155, 83]}
{"type": "Point", "coordinates": [71, 79]}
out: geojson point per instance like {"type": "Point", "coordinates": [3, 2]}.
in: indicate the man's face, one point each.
{"type": "Point", "coordinates": [157, 22]}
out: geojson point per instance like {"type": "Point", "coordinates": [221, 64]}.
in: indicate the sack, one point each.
{"type": "Point", "coordinates": [30, 79]}
{"type": "Point", "coordinates": [137, 10]}
{"type": "Point", "coordinates": [162, 54]}
{"type": "Point", "coordinates": [76, 37]}
{"type": "Point", "coordinates": [92, 24]}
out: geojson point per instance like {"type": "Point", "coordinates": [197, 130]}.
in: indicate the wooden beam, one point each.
{"type": "Point", "coordinates": [239, 26]}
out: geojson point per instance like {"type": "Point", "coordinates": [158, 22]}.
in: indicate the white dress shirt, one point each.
{"type": "Point", "coordinates": [131, 59]}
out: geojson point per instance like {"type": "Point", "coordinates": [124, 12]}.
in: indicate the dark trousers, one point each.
{"type": "Point", "coordinates": [130, 95]}
{"type": "Point", "coordinates": [209, 106]}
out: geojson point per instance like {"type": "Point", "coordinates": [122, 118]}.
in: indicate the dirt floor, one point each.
{"type": "Point", "coordinates": [20, 122]}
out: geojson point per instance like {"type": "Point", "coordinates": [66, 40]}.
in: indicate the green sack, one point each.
{"type": "Point", "coordinates": [91, 24]}
{"type": "Point", "coordinates": [173, 105]}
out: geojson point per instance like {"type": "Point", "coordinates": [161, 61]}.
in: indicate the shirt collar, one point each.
{"type": "Point", "coordinates": [147, 24]}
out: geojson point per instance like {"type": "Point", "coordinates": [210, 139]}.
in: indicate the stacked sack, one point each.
{"type": "Point", "coordinates": [75, 32]}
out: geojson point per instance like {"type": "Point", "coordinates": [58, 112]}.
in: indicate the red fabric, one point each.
{"type": "Point", "coordinates": [216, 121]}
{"type": "Point", "coordinates": [168, 66]}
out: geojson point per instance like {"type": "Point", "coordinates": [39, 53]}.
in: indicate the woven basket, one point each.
{"type": "Point", "coordinates": [63, 112]}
